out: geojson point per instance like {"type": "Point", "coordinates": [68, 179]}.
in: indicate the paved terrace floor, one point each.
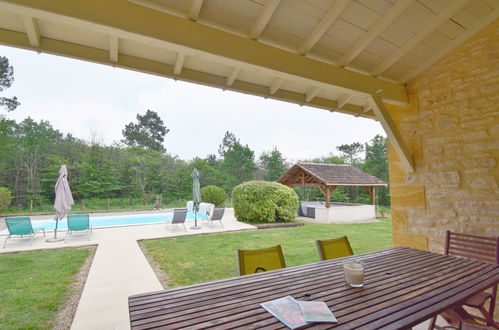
{"type": "Point", "coordinates": [119, 268]}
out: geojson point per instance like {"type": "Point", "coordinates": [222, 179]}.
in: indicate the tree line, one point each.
{"type": "Point", "coordinates": [31, 154]}
{"type": "Point", "coordinates": [139, 167]}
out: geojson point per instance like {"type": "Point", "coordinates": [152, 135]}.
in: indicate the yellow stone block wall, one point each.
{"type": "Point", "coordinates": [452, 130]}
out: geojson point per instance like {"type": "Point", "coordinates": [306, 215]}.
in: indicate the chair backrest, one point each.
{"type": "Point", "coordinates": [218, 213]}
{"type": "Point", "coordinates": [19, 225]}
{"type": "Point", "coordinates": [179, 215]}
{"type": "Point", "coordinates": [261, 260]}
{"type": "Point", "coordinates": [471, 246]}
{"type": "Point", "coordinates": [78, 221]}
{"type": "Point", "coordinates": [334, 248]}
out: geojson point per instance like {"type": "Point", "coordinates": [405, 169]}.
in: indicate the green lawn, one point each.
{"type": "Point", "coordinates": [194, 259]}
{"type": "Point", "coordinates": [33, 286]}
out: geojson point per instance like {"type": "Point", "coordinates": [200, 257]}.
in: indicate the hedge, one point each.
{"type": "Point", "coordinates": [263, 201]}
{"type": "Point", "coordinates": [214, 195]}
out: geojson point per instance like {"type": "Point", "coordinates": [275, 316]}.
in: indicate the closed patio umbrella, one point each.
{"type": "Point", "coordinates": [63, 200]}
{"type": "Point", "coordinates": [196, 196]}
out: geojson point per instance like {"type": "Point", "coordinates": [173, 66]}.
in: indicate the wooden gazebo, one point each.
{"type": "Point", "coordinates": [327, 177]}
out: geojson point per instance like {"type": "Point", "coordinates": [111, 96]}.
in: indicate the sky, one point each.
{"type": "Point", "coordinates": [95, 102]}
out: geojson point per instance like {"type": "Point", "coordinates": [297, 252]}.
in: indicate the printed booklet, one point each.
{"type": "Point", "coordinates": [295, 314]}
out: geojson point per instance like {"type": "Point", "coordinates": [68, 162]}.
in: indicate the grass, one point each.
{"type": "Point", "coordinates": [34, 286]}
{"type": "Point", "coordinates": [201, 258]}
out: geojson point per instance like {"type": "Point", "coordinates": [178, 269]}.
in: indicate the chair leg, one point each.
{"type": "Point", "coordinates": [5, 242]}
{"type": "Point", "coordinates": [487, 316]}
{"type": "Point", "coordinates": [433, 320]}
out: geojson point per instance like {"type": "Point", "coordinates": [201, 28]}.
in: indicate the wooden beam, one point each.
{"type": "Point", "coordinates": [130, 21]}
{"type": "Point", "coordinates": [393, 133]}
{"type": "Point", "coordinates": [492, 16]}
{"type": "Point", "coordinates": [232, 75]}
{"type": "Point", "coordinates": [195, 9]}
{"type": "Point", "coordinates": [276, 84]}
{"type": "Point", "coordinates": [343, 100]}
{"type": "Point", "coordinates": [373, 32]}
{"type": "Point", "coordinates": [367, 106]}
{"type": "Point", "coordinates": [97, 55]}
{"type": "Point", "coordinates": [263, 19]}
{"type": "Point", "coordinates": [179, 63]}
{"type": "Point", "coordinates": [32, 30]}
{"type": "Point", "coordinates": [311, 93]}
{"type": "Point", "coordinates": [370, 191]}
{"type": "Point", "coordinates": [418, 37]}
{"type": "Point", "coordinates": [113, 48]}
{"type": "Point", "coordinates": [323, 26]}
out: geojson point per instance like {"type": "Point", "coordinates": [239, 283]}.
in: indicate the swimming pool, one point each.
{"type": "Point", "coordinates": [118, 220]}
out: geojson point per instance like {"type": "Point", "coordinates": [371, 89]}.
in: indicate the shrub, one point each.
{"type": "Point", "coordinates": [214, 195]}
{"type": "Point", "coordinates": [5, 198]}
{"type": "Point", "coordinates": [262, 201]}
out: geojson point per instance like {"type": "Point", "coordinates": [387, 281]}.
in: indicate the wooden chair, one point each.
{"type": "Point", "coordinates": [334, 248]}
{"type": "Point", "coordinates": [479, 248]}
{"type": "Point", "coordinates": [261, 260]}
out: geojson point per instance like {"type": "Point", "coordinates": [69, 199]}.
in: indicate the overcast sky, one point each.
{"type": "Point", "coordinates": [95, 101]}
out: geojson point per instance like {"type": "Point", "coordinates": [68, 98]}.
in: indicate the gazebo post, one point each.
{"type": "Point", "coordinates": [328, 196]}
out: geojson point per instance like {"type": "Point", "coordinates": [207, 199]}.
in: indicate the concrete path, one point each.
{"type": "Point", "coordinates": [120, 269]}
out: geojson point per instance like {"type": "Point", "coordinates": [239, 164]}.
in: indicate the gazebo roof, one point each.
{"type": "Point", "coordinates": [312, 174]}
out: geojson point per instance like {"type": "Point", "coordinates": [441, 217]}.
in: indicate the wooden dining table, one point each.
{"type": "Point", "coordinates": [403, 287]}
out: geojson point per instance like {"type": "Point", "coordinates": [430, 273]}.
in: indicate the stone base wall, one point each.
{"type": "Point", "coordinates": [452, 130]}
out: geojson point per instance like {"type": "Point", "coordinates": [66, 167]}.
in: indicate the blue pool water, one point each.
{"type": "Point", "coordinates": [112, 221]}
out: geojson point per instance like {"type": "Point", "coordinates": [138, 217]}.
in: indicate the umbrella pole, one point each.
{"type": "Point", "coordinates": [55, 239]}
{"type": "Point", "coordinates": [195, 221]}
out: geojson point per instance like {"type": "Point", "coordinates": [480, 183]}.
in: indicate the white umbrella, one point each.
{"type": "Point", "coordinates": [63, 199]}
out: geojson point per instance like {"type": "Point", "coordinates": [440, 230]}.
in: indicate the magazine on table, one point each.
{"type": "Point", "coordinates": [295, 314]}
{"type": "Point", "coordinates": [316, 311]}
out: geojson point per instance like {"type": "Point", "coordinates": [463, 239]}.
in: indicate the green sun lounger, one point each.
{"type": "Point", "coordinates": [80, 223]}
{"type": "Point", "coordinates": [21, 226]}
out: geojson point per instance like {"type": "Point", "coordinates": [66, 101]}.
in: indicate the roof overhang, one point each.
{"type": "Point", "coordinates": [121, 21]}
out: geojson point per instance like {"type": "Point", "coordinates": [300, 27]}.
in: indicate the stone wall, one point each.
{"type": "Point", "coordinates": [452, 129]}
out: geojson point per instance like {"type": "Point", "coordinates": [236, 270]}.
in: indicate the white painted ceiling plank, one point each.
{"type": "Point", "coordinates": [450, 46]}
{"type": "Point", "coordinates": [232, 76]}
{"type": "Point", "coordinates": [276, 84]}
{"type": "Point", "coordinates": [311, 93]}
{"type": "Point", "coordinates": [374, 32]}
{"type": "Point", "coordinates": [195, 9]}
{"type": "Point", "coordinates": [263, 19]}
{"type": "Point", "coordinates": [179, 63]}
{"type": "Point", "coordinates": [323, 26]}
{"type": "Point", "coordinates": [113, 48]}
{"type": "Point", "coordinates": [418, 37]}
{"type": "Point", "coordinates": [31, 26]}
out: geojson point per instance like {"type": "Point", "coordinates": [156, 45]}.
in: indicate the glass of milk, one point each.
{"type": "Point", "coordinates": [354, 270]}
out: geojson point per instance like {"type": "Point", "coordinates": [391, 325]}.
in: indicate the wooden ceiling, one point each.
{"type": "Point", "coordinates": [329, 54]}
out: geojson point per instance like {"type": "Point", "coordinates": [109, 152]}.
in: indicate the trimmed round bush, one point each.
{"type": "Point", "coordinates": [214, 195]}
{"type": "Point", "coordinates": [263, 201]}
